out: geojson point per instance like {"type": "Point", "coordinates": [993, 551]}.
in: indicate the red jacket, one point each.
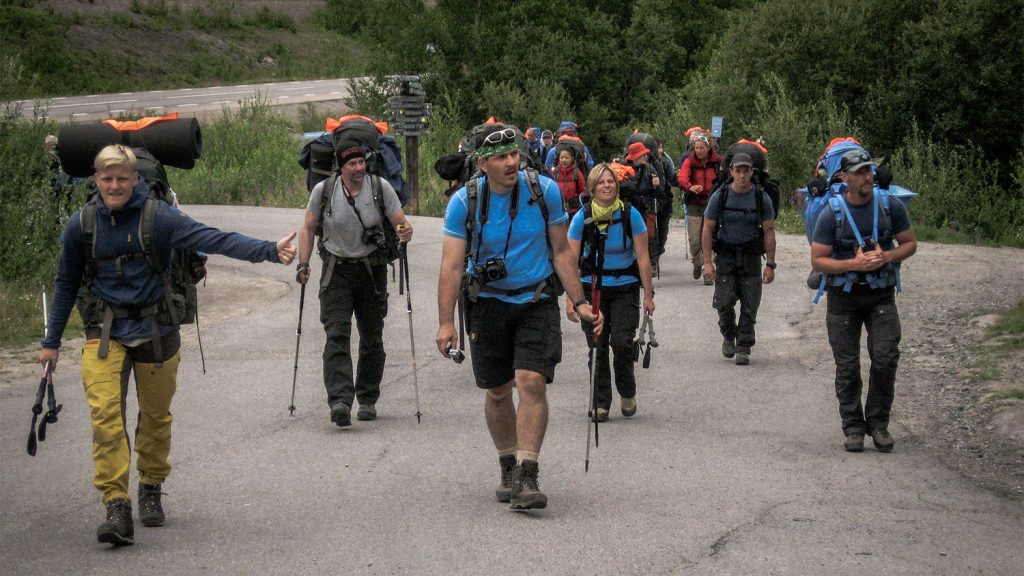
{"type": "Point", "coordinates": [695, 172]}
{"type": "Point", "coordinates": [572, 184]}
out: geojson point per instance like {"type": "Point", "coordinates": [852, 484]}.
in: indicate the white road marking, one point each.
{"type": "Point", "coordinates": [93, 103]}
{"type": "Point", "coordinates": [186, 105]}
{"type": "Point", "coordinates": [309, 94]}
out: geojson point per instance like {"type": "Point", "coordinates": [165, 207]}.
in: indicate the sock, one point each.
{"type": "Point", "coordinates": [522, 455]}
{"type": "Point", "coordinates": [507, 452]}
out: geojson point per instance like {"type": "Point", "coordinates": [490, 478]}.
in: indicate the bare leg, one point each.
{"type": "Point", "coordinates": [500, 411]}
{"type": "Point", "coordinates": [532, 419]}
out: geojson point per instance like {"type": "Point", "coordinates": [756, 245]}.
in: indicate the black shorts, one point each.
{"type": "Point", "coordinates": [508, 337]}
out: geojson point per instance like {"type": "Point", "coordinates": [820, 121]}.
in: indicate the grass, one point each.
{"type": "Point", "coordinates": [21, 315]}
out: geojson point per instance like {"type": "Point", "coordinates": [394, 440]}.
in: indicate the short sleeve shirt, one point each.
{"type": "Point", "coordinates": [825, 231]}
{"type": "Point", "coordinates": [740, 227]}
{"type": "Point", "coordinates": [526, 256]}
{"type": "Point", "coordinates": [343, 234]}
{"type": "Point", "coordinates": [617, 254]}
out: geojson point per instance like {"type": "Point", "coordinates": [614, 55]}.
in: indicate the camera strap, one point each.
{"type": "Point", "coordinates": [513, 210]}
{"type": "Point", "coordinates": [352, 203]}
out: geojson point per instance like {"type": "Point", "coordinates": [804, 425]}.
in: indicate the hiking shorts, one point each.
{"type": "Point", "coordinates": [507, 337]}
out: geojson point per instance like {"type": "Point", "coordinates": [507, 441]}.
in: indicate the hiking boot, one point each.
{"type": "Point", "coordinates": [341, 415]}
{"type": "Point", "coordinates": [507, 465]}
{"type": "Point", "coordinates": [742, 358]}
{"type": "Point", "coordinates": [728, 348]}
{"type": "Point", "coordinates": [151, 513]}
{"type": "Point", "coordinates": [602, 414]}
{"type": "Point", "coordinates": [366, 412]}
{"type": "Point", "coordinates": [709, 282]}
{"type": "Point", "coordinates": [526, 494]}
{"type": "Point", "coordinates": [698, 269]}
{"type": "Point", "coordinates": [854, 442]}
{"type": "Point", "coordinates": [118, 528]}
{"type": "Point", "coordinates": [882, 439]}
{"type": "Point", "coordinates": [628, 406]}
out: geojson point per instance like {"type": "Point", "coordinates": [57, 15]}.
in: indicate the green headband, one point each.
{"type": "Point", "coordinates": [488, 151]}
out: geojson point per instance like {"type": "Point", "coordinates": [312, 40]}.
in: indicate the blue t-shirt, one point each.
{"type": "Point", "coordinates": [825, 230]}
{"type": "Point", "coordinates": [616, 256]}
{"type": "Point", "coordinates": [527, 260]}
{"type": "Point", "coordinates": [740, 227]}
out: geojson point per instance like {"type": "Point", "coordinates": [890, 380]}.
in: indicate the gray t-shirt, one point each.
{"type": "Point", "coordinates": [343, 236]}
{"type": "Point", "coordinates": [740, 227]}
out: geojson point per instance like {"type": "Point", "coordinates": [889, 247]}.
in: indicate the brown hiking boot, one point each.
{"type": "Point", "coordinates": [526, 494]}
{"type": "Point", "coordinates": [507, 465]}
{"type": "Point", "coordinates": [366, 412]}
{"type": "Point", "coordinates": [628, 406]}
{"type": "Point", "coordinates": [118, 528]}
{"type": "Point", "coordinates": [882, 439]}
{"type": "Point", "coordinates": [854, 442]}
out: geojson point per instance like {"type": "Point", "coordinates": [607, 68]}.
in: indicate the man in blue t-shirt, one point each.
{"type": "Point", "coordinates": [739, 224]}
{"type": "Point", "coordinates": [514, 263]}
{"type": "Point", "coordinates": [861, 255]}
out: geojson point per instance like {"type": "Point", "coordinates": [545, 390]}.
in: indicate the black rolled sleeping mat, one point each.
{"type": "Point", "coordinates": [173, 142]}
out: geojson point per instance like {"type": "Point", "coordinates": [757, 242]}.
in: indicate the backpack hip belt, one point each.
{"type": "Point", "coordinates": [157, 313]}
{"type": "Point", "coordinates": [631, 270]}
{"type": "Point", "coordinates": [333, 260]}
{"type": "Point", "coordinates": [551, 286]}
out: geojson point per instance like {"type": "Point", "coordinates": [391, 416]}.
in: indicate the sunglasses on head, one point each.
{"type": "Point", "coordinates": [500, 137]}
{"type": "Point", "coordinates": [857, 157]}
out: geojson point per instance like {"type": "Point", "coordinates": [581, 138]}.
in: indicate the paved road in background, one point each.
{"type": "Point", "coordinates": [187, 101]}
{"type": "Point", "coordinates": [724, 470]}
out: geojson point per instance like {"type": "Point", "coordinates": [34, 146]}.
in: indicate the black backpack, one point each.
{"type": "Point", "coordinates": [383, 155]}
{"type": "Point", "coordinates": [760, 178]}
{"type": "Point", "coordinates": [592, 236]}
{"type": "Point", "coordinates": [188, 267]}
{"type": "Point", "coordinates": [754, 246]}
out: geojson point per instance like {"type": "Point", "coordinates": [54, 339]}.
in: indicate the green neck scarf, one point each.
{"type": "Point", "coordinates": [603, 215]}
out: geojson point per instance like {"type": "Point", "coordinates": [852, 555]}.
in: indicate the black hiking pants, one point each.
{"type": "Point", "coordinates": [620, 306]}
{"type": "Point", "coordinates": [737, 279]}
{"type": "Point", "coordinates": [876, 311]}
{"type": "Point", "coordinates": [356, 289]}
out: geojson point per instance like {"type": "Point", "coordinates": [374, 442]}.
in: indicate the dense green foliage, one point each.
{"type": "Point", "coordinates": [932, 84]}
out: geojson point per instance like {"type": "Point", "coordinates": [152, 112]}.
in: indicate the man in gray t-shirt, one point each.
{"type": "Point", "coordinates": [740, 229]}
{"type": "Point", "coordinates": [353, 279]}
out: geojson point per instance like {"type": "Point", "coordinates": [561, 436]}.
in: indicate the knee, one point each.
{"type": "Point", "coordinates": [338, 330]}
{"type": "Point", "coordinates": [532, 387]}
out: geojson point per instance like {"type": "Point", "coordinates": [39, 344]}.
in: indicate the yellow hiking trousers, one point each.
{"type": "Point", "coordinates": [106, 386]}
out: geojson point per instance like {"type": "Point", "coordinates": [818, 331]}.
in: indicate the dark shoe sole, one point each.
{"type": "Point", "coordinates": [742, 360]}
{"type": "Point", "coordinates": [504, 495]}
{"type": "Point", "coordinates": [536, 502]}
{"type": "Point", "coordinates": [366, 416]}
{"type": "Point", "coordinates": [853, 447]}
{"type": "Point", "coordinates": [111, 537]}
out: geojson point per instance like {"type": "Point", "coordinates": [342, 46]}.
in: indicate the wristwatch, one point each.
{"type": "Point", "coordinates": [772, 265]}
{"type": "Point", "coordinates": [579, 303]}
{"type": "Point", "coordinates": [302, 267]}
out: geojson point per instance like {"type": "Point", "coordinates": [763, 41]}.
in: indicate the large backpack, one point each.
{"type": "Point", "coordinates": [460, 166]}
{"type": "Point", "coordinates": [759, 154]}
{"type": "Point", "coordinates": [188, 267]}
{"type": "Point", "coordinates": [383, 153]}
{"type": "Point", "coordinates": [579, 151]}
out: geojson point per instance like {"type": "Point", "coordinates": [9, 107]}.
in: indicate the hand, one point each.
{"type": "Point", "coordinates": [570, 312]}
{"type": "Point", "coordinates": [49, 355]}
{"type": "Point", "coordinates": [404, 232]}
{"type": "Point", "coordinates": [655, 181]}
{"type": "Point", "coordinates": [866, 261]}
{"type": "Point", "coordinates": [285, 250]}
{"type": "Point", "coordinates": [593, 316]}
{"type": "Point", "coordinates": [709, 271]}
{"type": "Point", "coordinates": [767, 275]}
{"type": "Point", "coordinates": [649, 305]}
{"type": "Point", "coordinates": [302, 275]}
{"type": "Point", "coordinates": [447, 338]}
{"type": "Point", "coordinates": [696, 188]}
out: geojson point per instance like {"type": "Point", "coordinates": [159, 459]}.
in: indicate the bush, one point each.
{"type": "Point", "coordinates": [249, 158]}
{"type": "Point", "coordinates": [269, 20]}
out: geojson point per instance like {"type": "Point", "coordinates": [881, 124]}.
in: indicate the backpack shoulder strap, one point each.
{"type": "Point", "coordinates": [378, 195]}
{"type": "Point", "coordinates": [536, 192]}
{"type": "Point", "coordinates": [326, 195]}
{"type": "Point", "coordinates": [87, 218]}
{"type": "Point", "coordinates": [472, 197]}
{"type": "Point", "coordinates": [146, 223]}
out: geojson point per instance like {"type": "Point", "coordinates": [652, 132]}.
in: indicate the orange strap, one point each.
{"type": "Point", "coordinates": [139, 124]}
{"type": "Point", "coordinates": [838, 140]}
{"type": "Point", "coordinates": [759, 146]}
{"type": "Point", "coordinates": [331, 124]}
{"type": "Point", "coordinates": [567, 138]}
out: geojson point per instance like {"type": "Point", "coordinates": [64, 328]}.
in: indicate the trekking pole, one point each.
{"type": "Point", "coordinates": [45, 388]}
{"type": "Point", "coordinates": [199, 336]}
{"type": "Point", "coordinates": [298, 337]}
{"type": "Point", "coordinates": [686, 224]}
{"type": "Point", "coordinates": [595, 304]}
{"type": "Point", "coordinates": [652, 340]}
{"type": "Point", "coordinates": [403, 263]}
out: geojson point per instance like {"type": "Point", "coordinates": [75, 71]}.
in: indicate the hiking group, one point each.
{"type": "Point", "coordinates": [530, 217]}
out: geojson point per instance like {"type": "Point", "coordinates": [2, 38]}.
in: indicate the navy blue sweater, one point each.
{"type": "Point", "coordinates": [117, 233]}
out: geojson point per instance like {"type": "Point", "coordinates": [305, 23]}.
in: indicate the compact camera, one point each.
{"type": "Point", "coordinates": [456, 355]}
{"type": "Point", "coordinates": [374, 237]}
{"type": "Point", "coordinates": [869, 244]}
{"type": "Point", "coordinates": [491, 270]}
